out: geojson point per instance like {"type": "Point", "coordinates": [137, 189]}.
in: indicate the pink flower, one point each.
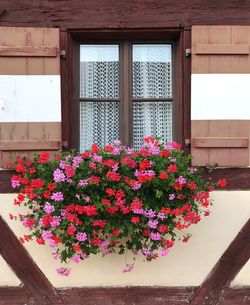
{"type": "Point", "coordinates": [59, 175]}
{"type": "Point", "coordinates": [155, 236]}
{"type": "Point", "coordinates": [58, 196]}
{"type": "Point", "coordinates": [128, 268]}
{"type": "Point", "coordinates": [63, 271]}
{"type": "Point", "coordinates": [81, 236]}
{"type": "Point", "coordinates": [48, 208]}
{"type": "Point", "coordinates": [163, 252]}
{"type": "Point", "coordinates": [76, 258]}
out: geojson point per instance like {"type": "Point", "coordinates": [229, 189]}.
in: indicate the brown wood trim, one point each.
{"type": "Point", "coordinates": [225, 270]}
{"type": "Point", "coordinates": [230, 142]}
{"type": "Point", "coordinates": [5, 185]}
{"type": "Point", "coordinates": [121, 296]}
{"type": "Point", "coordinates": [20, 145]}
{"type": "Point", "coordinates": [28, 51]}
{"type": "Point", "coordinates": [15, 296]}
{"type": "Point", "coordinates": [128, 295]}
{"type": "Point", "coordinates": [25, 268]}
{"type": "Point", "coordinates": [221, 49]}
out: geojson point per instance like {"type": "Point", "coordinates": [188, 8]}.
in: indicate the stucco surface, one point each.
{"type": "Point", "coordinates": [186, 264]}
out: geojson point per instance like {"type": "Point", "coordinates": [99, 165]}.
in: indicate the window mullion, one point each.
{"type": "Point", "coordinates": [126, 120]}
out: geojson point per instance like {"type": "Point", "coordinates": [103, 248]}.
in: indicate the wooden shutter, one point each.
{"type": "Point", "coordinates": [30, 103]}
{"type": "Point", "coordinates": [220, 99]}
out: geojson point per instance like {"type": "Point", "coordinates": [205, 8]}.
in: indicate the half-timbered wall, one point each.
{"type": "Point", "coordinates": [218, 110]}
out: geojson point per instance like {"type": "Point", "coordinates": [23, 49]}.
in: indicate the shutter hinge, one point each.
{"type": "Point", "coordinates": [188, 52]}
{"type": "Point", "coordinates": [63, 54]}
{"type": "Point", "coordinates": [64, 145]}
{"type": "Point", "coordinates": [187, 143]}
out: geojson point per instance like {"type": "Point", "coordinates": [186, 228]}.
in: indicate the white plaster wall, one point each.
{"type": "Point", "coordinates": [187, 264]}
{"type": "Point", "coordinates": [7, 276]}
{"type": "Point", "coordinates": [243, 277]}
{"type": "Point", "coordinates": [220, 96]}
{"type": "Point", "coordinates": [30, 98]}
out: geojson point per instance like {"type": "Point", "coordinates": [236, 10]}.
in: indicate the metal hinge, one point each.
{"type": "Point", "coordinates": [187, 143]}
{"type": "Point", "coordinates": [188, 52]}
{"type": "Point", "coordinates": [63, 54]}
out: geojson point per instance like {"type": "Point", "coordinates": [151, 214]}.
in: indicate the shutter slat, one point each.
{"type": "Point", "coordinates": [223, 49]}
{"type": "Point", "coordinates": [28, 51]}
{"type": "Point", "coordinates": [28, 145]}
{"type": "Point", "coordinates": [220, 142]}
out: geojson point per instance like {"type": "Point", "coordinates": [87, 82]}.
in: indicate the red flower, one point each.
{"type": "Point", "coordinates": [90, 210]}
{"type": "Point", "coordinates": [69, 171]}
{"type": "Point", "coordinates": [172, 168]}
{"type": "Point", "coordinates": [22, 241]}
{"type": "Point", "coordinates": [116, 233]}
{"type": "Point", "coordinates": [71, 230]}
{"type": "Point", "coordinates": [40, 241]}
{"type": "Point", "coordinates": [94, 180]}
{"type": "Point", "coordinates": [163, 228]}
{"type": "Point", "coordinates": [165, 153]}
{"type": "Point", "coordinates": [11, 216]}
{"type": "Point", "coordinates": [163, 175]}
{"type": "Point", "coordinates": [77, 248]}
{"type": "Point", "coordinates": [85, 155]}
{"type": "Point", "coordinates": [112, 210]}
{"type": "Point", "coordinates": [105, 202]}
{"type": "Point", "coordinates": [143, 165]}
{"type": "Point", "coordinates": [37, 183]}
{"type": "Point", "coordinates": [135, 219]}
{"type": "Point", "coordinates": [222, 183]}
{"type": "Point", "coordinates": [43, 158]}
{"type": "Point", "coordinates": [99, 223]}
{"type": "Point", "coordinates": [108, 148]}
{"type": "Point", "coordinates": [20, 169]}
{"type": "Point", "coordinates": [113, 176]}
{"type": "Point", "coordinates": [32, 170]}
{"type": "Point", "coordinates": [95, 241]}
{"type": "Point", "coordinates": [95, 149]}
{"type": "Point", "coordinates": [110, 192]}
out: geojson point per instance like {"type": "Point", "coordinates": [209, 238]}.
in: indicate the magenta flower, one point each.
{"type": "Point", "coordinates": [155, 236]}
{"type": "Point", "coordinates": [171, 196]}
{"type": "Point", "coordinates": [76, 161]}
{"type": "Point", "coordinates": [181, 180]}
{"type": "Point", "coordinates": [128, 268]}
{"type": "Point", "coordinates": [146, 251]}
{"type": "Point", "coordinates": [47, 234]}
{"type": "Point", "coordinates": [55, 222]}
{"type": "Point", "coordinates": [49, 208]}
{"type": "Point", "coordinates": [76, 258]}
{"type": "Point", "coordinates": [59, 175]}
{"type": "Point", "coordinates": [15, 183]}
{"type": "Point", "coordinates": [83, 182]}
{"type": "Point", "coordinates": [81, 236]}
{"type": "Point", "coordinates": [152, 224]}
{"type": "Point", "coordinates": [163, 252]}
{"type": "Point", "coordinates": [57, 196]}
{"type": "Point", "coordinates": [63, 271]}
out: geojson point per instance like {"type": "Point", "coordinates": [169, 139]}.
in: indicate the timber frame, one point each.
{"type": "Point", "coordinates": [37, 289]}
{"type": "Point", "coordinates": [118, 15]}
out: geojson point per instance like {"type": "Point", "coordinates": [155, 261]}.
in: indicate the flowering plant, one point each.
{"type": "Point", "coordinates": [111, 200]}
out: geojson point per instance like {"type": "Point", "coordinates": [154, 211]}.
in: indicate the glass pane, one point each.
{"type": "Point", "coordinates": [151, 118]}
{"type": "Point", "coordinates": [152, 71]}
{"type": "Point", "coordinates": [99, 71]}
{"type": "Point", "coordinates": [99, 123]}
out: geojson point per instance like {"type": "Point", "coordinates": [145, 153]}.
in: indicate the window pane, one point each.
{"type": "Point", "coordinates": [151, 118]}
{"type": "Point", "coordinates": [99, 123]}
{"type": "Point", "coordinates": [152, 71]}
{"type": "Point", "coordinates": [99, 71]}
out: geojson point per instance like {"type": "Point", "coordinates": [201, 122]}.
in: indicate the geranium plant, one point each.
{"type": "Point", "coordinates": [110, 200]}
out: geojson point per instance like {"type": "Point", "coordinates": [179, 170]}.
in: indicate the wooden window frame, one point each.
{"type": "Point", "coordinates": [70, 112]}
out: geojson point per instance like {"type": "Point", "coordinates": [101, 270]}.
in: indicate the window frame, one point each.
{"type": "Point", "coordinates": [175, 37]}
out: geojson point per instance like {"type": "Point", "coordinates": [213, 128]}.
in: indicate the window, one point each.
{"type": "Point", "coordinates": [126, 92]}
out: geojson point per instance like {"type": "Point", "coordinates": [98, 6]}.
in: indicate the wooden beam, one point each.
{"type": "Point", "coordinates": [25, 268]}
{"type": "Point", "coordinates": [128, 296]}
{"type": "Point", "coordinates": [15, 296]}
{"type": "Point", "coordinates": [28, 51]}
{"type": "Point", "coordinates": [20, 145]}
{"type": "Point", "coordinates": [220, 142]}
{"type": "Point", "coordinates": [221, 49]}
{"type": "Point", "coordinates": [225, 270]}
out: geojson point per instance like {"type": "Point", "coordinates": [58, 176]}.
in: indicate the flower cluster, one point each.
{"type": "Point", "coordinates": [111, 200]}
